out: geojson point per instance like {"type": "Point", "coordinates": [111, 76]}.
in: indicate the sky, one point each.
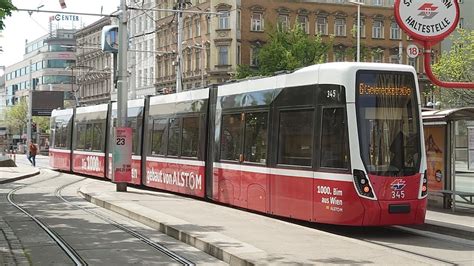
{"type": "Point", "coordinates": [21, 25]}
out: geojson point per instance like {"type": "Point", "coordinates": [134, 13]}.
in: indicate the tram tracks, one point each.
{"type": "Point", "coordinates": [68, 249]}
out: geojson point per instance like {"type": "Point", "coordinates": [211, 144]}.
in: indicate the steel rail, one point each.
{"type": "Point", "coordinates": [71, 253]}
{"type": "Point", "coordinates": [128, 230]}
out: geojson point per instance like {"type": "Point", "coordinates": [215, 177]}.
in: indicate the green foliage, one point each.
{"type": "Point", "coordinates": [287, 50]}
{"type": "Point", "coordinates": [457, 65]}
{"type": "Point", "coordinates": [6, 7]}
{"type": "Point", "coordinates": [17, 118]}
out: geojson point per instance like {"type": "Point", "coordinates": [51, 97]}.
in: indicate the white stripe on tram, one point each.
{"type": "Point", "coordinates": [175, 161]}
{"type": "Point", "coordinates": [59, 150]}
{"type": "Point", "coordinates": [88, 153]}
{"type": "Point", "coordinates": [286, 172]}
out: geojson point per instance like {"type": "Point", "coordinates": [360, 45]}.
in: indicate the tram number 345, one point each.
{"type": "Point", "coordinates": [398, 194]}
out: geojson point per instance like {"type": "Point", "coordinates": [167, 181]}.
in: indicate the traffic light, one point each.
{"type": "Point", "coordinates": [33, 127]}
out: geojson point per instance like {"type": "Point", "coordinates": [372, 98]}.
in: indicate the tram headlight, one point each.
{"type": "Point", "coordinates": [362, 184]}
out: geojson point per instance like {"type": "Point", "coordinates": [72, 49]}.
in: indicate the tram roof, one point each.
{"type": "Point", "coordinates": [328, 73]}
{"type": "Point", "coordinates": [454, 114]}
{"type": "Point", "coordinates": [60, 112]}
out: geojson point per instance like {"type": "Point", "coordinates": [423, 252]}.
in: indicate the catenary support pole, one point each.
{"type": "Point", "coordinates": [30, 108]}
{"type": "Point", "coordinates": [122, 93]}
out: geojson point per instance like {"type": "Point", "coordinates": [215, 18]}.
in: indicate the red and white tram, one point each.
{"type": "Point", "coordinates": [337, 143]}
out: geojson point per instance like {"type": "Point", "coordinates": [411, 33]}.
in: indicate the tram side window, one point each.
{"type": "Point", "coordinates": [65, 133]}
{"type": "Point", "coordinates": [98, 134]}
{"type": "Point", "coordinates": [231, 137]}
{"type": "Point", "coordinates": [58, 136]}
{"type": "Point", "coordinates": [80, 136]}
{"type": "Point", "coordinates": [88, 137]}
{"type": "Point", "coordinates": [295, 141]}
{"type": "Point", "coordinates": [173, 136]}
{"type": "Point", "coordinates": [334, 140]}
{"type": "Point", "coordinates": [159, 136]}
{"type": "Point", "coordinates": [133, 124]}
{"type": "Point", "coordinates": [190, 138]}
{"type": "Point", "coordinates": [255, 142]}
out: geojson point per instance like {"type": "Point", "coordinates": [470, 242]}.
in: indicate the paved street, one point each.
{"type": "Point", "coordinates": [229, 234]}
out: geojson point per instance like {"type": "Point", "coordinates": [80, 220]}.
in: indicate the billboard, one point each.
{"type": "Point", "coordinates": [46, 101]}
{"type": "Point", "coordinates": [435, 153]}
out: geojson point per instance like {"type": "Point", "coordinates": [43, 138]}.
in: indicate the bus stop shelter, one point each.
{"type": "Point", "coordinates": [449, 144]}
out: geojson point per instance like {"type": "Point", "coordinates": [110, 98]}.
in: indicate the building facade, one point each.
{"type": "Point", "coordinates": [44, 67]}
{"type": "Point", "coordinates": [215, 43]}
{"type": "Point", "coordinates": [141, 57]}
{"type": "Point", "coordinates": [466, 21]}
{"type": "Point", "coordinates": [93, 70]}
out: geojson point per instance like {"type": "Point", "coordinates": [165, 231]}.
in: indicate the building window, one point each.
{"type": "Point", "coordinates": [413, 62]}
{"type": "Point", "coordinates": [339, 55]}
{"type": "Point", "coordinates": [208, 22]}
{"type": "Point", "coordinates": [239, 17]}
{"type": "Point", "coordinates": [322, 26]}
{"type": "Point", "coordinates": [257, 22]}
{"type": "Point", "coordinates": [208, 57]}
{"type": "Point", "coordinates": [224, 20]}
{"type": "Point", "coordinates": [283, 22]}
{"type": "Point", "coordinates": [303, 22]}
{"type": "Point", "coordinates": [197, 56]}
{"type": "Point", "coordinates": [189, 61]}
{"type": "Point", "coordinates": [362, 28]}
{"type": "Point", "coordinates": [377, 56]}
{"type": "Point", "coordinates": [223, 55]}
{"type": "Point", "coordinates": [377, 2]}
{"type": "Point", "coordinates": [395, 32]}
{"type": "Point", "coordinates": [377, 29]}
{"type": "Point", "coordinates": [340, 27]}
{"type": "Point", "coordinates": [254, 55]}
{"type": "Point", "coordinates": [189, 30]}
{"type": "Point", "coordinates": [197, 25]}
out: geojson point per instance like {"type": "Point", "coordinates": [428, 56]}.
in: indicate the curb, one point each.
{"type": "Point", "coordinates": [183, 236]}
{"type": "Point", "coordinates": [10, 180]}
{"type": "Point", "coordinates": [446, 228]}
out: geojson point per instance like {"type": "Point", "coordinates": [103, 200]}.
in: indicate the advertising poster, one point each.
{"type": "Point", "coordinates": [122, 155]}
{"type": "Point", "coordinates": [435, 148]}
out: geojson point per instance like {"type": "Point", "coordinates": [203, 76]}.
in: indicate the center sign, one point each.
{"type": "Point", "coordinates": [427, 20]}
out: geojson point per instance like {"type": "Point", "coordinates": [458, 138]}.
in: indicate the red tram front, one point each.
{"type": "Point", "coordinates": [336, 143]}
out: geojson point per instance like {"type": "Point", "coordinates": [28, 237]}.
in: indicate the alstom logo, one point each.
{"type": "Point", "coordinates": [428, 11]}
{"type": "Point", "coordinates": [398, 184]}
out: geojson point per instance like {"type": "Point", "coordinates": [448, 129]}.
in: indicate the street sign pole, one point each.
{"type": "Point", "coordinates": [30, 109]}
{"type": "Point", "coordinates": [122, 81]}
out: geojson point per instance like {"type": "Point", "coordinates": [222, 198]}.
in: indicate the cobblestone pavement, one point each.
{"type": "Point", "coordinates": [11, 250]}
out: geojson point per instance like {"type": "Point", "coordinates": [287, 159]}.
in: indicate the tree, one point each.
{"type": "Point", "coordinates": [6, 7]}
{"type": "Point", "coordinates": [457, 64]}
{"type": "Point", "coordinates": [17, 118]}
{"type": "Point", "coordinates": [286, 50]}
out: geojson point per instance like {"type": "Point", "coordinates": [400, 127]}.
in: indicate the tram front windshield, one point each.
{"type": "Point", "coordinates": [388, 123]}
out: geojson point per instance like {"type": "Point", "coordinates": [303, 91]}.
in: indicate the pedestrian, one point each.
{"type": "Point", "coordinates": [32, 153]}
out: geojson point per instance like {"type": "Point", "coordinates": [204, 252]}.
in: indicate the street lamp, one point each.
{"type": "Point", "coordinates": [358, 26]}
